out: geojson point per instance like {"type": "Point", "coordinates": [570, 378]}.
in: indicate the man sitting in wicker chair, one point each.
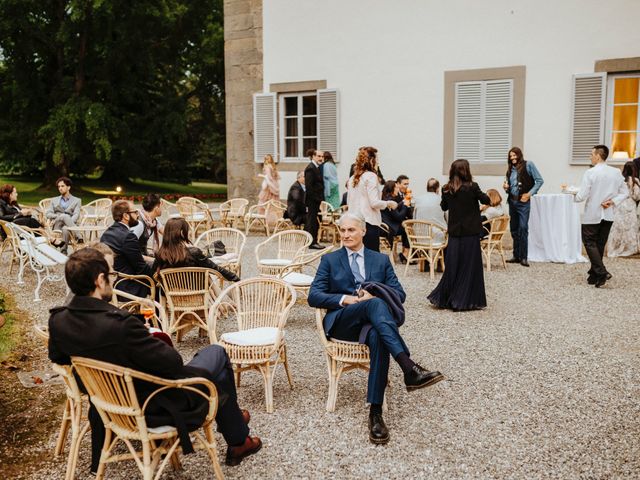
{"type": "Point", "coordinates": [354, 314]}
{"type": "Point", "coordinates": [89, 326]}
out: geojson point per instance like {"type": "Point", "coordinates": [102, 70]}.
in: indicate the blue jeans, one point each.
{"type": "Point", "coordinates": [519, 224]}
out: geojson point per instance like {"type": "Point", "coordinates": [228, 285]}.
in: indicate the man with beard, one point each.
{"type": "Point", "coordinates": [126, 248]}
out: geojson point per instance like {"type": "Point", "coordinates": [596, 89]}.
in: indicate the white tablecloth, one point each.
{"type": "Point", "coordinates": [554, 229]}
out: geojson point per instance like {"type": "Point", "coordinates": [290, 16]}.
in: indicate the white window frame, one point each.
{"type": "Point", "coordinates": [282, 125]}
{"type": "Point", "coordinates": [483, 111]}
{"type": "Point", "coordinates": [609, 116]}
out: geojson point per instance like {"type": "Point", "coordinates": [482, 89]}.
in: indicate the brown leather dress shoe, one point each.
{"type": "Point", "coordinates": [236, 454]}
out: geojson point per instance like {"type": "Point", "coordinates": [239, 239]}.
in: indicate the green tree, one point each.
{"type": "Point", "coordinates": [131, 88]}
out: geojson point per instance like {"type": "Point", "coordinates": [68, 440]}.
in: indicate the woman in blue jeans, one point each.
{"type": "Point", "coordinates": [523, 181]}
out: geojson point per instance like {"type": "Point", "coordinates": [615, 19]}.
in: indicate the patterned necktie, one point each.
{"type": "Point", "coordinates": [355, 269]}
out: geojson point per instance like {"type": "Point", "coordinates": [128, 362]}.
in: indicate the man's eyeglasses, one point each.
{"type": "Point", "coordinates": [113, 275]}
{"type": "Point", "coordinates": [132, 211]}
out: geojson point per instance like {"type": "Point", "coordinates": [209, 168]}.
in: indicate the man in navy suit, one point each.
{"type": "Point", "coordinates": [352, 311]}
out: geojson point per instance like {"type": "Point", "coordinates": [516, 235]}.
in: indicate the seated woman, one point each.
{"type": "Point", "coordinates": [394, 218]}
{"type": "Point", "coordinates": [10, 211]}
{"type": "Point", "coordinates": [177, 251]}
{"type": "Point", "coordinates": [491, 211]}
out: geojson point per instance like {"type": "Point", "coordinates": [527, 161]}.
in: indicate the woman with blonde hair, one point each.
{"type": "Point", "coordinates": [364, 196]}
{"type": "Point", "coordinates": [270, 189]}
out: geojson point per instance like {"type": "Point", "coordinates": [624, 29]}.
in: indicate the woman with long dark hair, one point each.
{"type": "Point", "coordinates": [462, 284]}
{"type": "Point", "coordinates": [177, 251]}
{"type": "Point", "coordinates": [394, 218]}
{"type": "Point", "coordinates": [364, 195]}
{"type": "Point", "coordinates": [523, 180]}
{"type": "Point", "coordinates": [624, 237]}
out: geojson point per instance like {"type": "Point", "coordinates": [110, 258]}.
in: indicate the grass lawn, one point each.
{"type": "Point", "coordinates": [30, 192]}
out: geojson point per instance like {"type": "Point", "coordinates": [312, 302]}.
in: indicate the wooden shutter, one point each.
{"type": "Point", "coordinates": [587, 115]}
{"type": "Point", "coordinates": [468, 121]}
{"type": "Point", "coordinates": [328, 121]}
{"type": "Point", "coordinates": [497, 121]}
{"type": "Point", "coordinates": [264, 126]}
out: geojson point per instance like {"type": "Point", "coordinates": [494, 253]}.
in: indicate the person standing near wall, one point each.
{"type": "Point", "coordinates": [314, 195]}
{"type": "Point", "coordinates": [330, 178]}
{"type": "Point", "coordinates": [523, 180]}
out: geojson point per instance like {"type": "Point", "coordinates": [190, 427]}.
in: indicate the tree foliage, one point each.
{"type": "Point", "coordinates": [134, 88]}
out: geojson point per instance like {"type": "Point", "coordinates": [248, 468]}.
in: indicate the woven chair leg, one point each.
{"type": "Point", "coordinates": [147, 469]}
{"type": "Point", "coordinates": [285, 361]}
{"type": "Point", "coordinates": [238, 375]}
{"type": "Point", "coordinates": [267, 373]}
{"type": "Point", "coordinates": [104, 455]}
{"type": "Point", "coordinates": [74, 450]}
{"type": "Point", "coordinates": [212, 451]}
{"type": "Point", "coordinates": [64, 428]}
{"type": "Point", "coordinates": [333, 394]}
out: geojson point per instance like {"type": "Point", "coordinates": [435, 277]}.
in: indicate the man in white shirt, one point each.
{"type": "Point", "coordinates": [427, 206]}
{"type": "Point", "coordinates": [602, 187]}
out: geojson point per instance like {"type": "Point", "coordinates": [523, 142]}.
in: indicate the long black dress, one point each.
{"type": "Point", "coordinates": [462, 284]}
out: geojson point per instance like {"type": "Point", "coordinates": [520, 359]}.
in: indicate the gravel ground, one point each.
{"type": "Point", "coordinates": [544, 383]}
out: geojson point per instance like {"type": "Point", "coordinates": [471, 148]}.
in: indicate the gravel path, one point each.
{"type": "Point", "coordinates": [544, 383]}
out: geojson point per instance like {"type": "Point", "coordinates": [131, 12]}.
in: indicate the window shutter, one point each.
{"type": "Point", "coordinates": [264, 126]}
{"type": "Point", "coordinates": [468, 121]}
{"type": "Point", "coordinates": [328, 121]}
{"type": "Point", "coordinates": [587, 115]}
{"type": "Point", "coordinates": [498, 114]}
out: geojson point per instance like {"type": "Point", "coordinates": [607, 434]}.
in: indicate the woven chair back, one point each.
{"type": "Point", "coordinates": [188, 206]}
{"type": "Point", "coordinates": [325, 213]}
{"type": "Point", "coordinates": [232, 238]}
{"type": "Point", "coordinates": [186, 288]}
{"type": "Point", "coordinates": [424, 234]}
{"type": "Point", "coordinates": [133, 304]}
{"type": "Point", "coordinates": [497, 228]}
{"type": "Point", "coordinates": [291, 243]}
{"type": "Point", "coordinates": [261, 302]}
{"type": "Point", "coordinates": [235, 206]}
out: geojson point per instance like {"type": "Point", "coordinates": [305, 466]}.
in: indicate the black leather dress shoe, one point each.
{"type": "Point", "coordinates": [403, 259]}
{"type": "Point", "coordinates": [378, 431]}
{"type": "Point", "coordinates": [600, 282]}
{"type": "Point", "coordinates": [316, 246]}
{"type": "Point", "coordinates": [420, 378]}
{"type": "Point", "coordinates": [524, 263]}
{"type": "Point", "coordinates": [513, 260]}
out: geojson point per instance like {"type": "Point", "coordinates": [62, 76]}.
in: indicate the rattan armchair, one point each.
{"type": "Point", "coordinates": [72, 417]}
{"type": "Point", "coordinates": [133, 304]}
{"type": "Point", "coordinates": [95, 213]}
{"type": "Point", "coordinates": [233, 240]}
{"type": "Point", "coordinates": [196, 213]}
{"type": "Point", "coordinates": [280, 250]}
{"type": "Point", "coordinates": [493, 241]}
{"type": "Point", "coordinates": [141, 279]}
{"type": "Point", "coordinates": [189, 293]}
{"type": "Point", "coordinates": [232, 212]}
{"type": "Point", "coordinates": [261, 307]}
{"type": "Point", "coordinates": [427, 241]}
{"type": "Point", "coordinates": [257, 215]}
{"type": "Point", "coordinates": [112, 391]}
{"type": "Point", "coordinates": [169, 210]}
{"type": "Point", "coordinates": [341, 357]}
{"type": "Point", "coordinates": [294, 274]}
{"type": "Point", "coordinates": [327, 228]}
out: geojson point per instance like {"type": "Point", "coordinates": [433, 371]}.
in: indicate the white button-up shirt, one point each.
{"type": "Point", "coordinates": [599, 184]}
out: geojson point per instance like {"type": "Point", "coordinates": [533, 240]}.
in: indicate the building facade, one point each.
{"type": "Point", "coordinates": [427, 82]}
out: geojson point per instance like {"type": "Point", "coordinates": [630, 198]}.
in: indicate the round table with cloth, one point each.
{"type": "Point", "coordinates": [554, 229]}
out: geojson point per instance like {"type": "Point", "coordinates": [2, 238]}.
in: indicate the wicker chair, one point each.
{"type": "Point", "coordinates": [112, 391]}
{"type": "Point", "coordinates": [133, 304]}
{"type": "Point", "coordinates": [72, 414]}
{"type": "Point", "coordinates": [385, 246]}
{"type": "Point", "coordinates": [44, 205]}
{"type": "Point", "coordinates": [169, 210]}
{"type": "Point", "coordinates": [341, 357]}
{"type": "Point", "coordinates": [257, 215]}
{"type": "Point", "coordinates": [12, 244]}
{"type": "Point", "coordinates": [493, 241]}
{"type": "Point", "coordinates": [261, 306]}
{"type": "Point", "coordinates": [141, 279]}
{"type": "Point", "coordinates": [288, 244]}
{"type": "Point", "coordinates": [232, 212]}
{"type": "Point", "coordinates": [95, 213]}
{"type": "Point", "coordinates": [189, 292]}
{"type": "Point", "coordinates": [427, 241]}
{"type": "Point", "coordinates": [233, 240]}
{"type": "Point", "coordinates": [327, 228]}
{"type": "Point", "coordinates": [294, 274]}
{"type": "Point", "coordinates": [196, 213]}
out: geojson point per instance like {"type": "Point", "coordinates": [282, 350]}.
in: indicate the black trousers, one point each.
{"type": "Point", "coordinates": [311, 225]}
{"type": "Point", "coordinates": [214, 360]}
{"type": "Point", "coordinates": [371, 238]}
{"type": "Point", "coordinates": [594, 238]}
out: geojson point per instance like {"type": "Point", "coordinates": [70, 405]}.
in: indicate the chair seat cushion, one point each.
{"type": "Point", "coordinates": [162, 429]}
{"type": "Point", "coordinates": [298, 279]}
{"type": "Point", "coordinates": [275, 262]}
{"type": "Point", "coordinates": [196, 217]}
{"type": "Point", "coordinates": [253, 336]}
{"type": "Point", "coordinates": [226, 258]}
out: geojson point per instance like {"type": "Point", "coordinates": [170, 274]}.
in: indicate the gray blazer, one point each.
{"type": "Point", "coordinates": [73, 208]}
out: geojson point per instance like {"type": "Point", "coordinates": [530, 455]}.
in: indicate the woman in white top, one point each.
{"type": "Point", "coordinates": [364, 195]}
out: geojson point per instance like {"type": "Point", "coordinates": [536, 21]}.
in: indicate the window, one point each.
{"type": "Point", "coordinates": [298, 125]}
{"type": "Point", "coordinates": [483, 116]}
{"type": "Point", "coordinates": [622, 124]}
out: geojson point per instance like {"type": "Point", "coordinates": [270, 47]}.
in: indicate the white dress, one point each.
{"type": "Point", "coordinates": [624, 238]}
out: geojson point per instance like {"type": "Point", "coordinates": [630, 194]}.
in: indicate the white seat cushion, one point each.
{"type": "Point", "coordinates": [253, 336]}
{"type": "Point", "coordinates": [298, 279]}
{"type": "Point", "coordinates": [275, 262]}
{"type": "Point", "coordinates": [161, 429]}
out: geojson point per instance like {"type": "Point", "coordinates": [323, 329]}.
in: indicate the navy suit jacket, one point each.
{"type": "Point", "coordinates": [334, 279]}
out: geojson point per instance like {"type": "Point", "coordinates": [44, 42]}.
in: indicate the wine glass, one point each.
{"type": "Point", "coordinates": [148, 311]}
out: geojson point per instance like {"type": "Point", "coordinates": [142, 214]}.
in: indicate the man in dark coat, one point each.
{"type": "Point", "coordinates": [314, 195]}
{"type": "Point", "coordinates": [128, 258]}
{"type": "Point", "coordinates": [91, 327]}
{"type": "Point", "coordinates": [296, 208]}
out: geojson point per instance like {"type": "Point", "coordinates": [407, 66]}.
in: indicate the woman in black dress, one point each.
{"type": "Point", "coordinates": [462, 284]}
{"type": "Point", "coordinates": [177, 251]}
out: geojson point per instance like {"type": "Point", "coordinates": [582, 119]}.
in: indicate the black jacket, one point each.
{"type": "Point", "coordinates": [196, 258]}
{"type": "Point", "coordinates": [296, 209]}
{"type": "Point", "coordinates": [128, 257]}
{"type": "Point", "coordinates": [314, 184]}
{"type": "Point", "coordinates": [8, 213]}
{"type": "Point", "coordinates": [464, 210]}
{"type": "Point", "coordinates": [394, 218]}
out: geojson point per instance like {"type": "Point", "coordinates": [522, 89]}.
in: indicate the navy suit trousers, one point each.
{"type": "Point", "coordinates": [383, 339]}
